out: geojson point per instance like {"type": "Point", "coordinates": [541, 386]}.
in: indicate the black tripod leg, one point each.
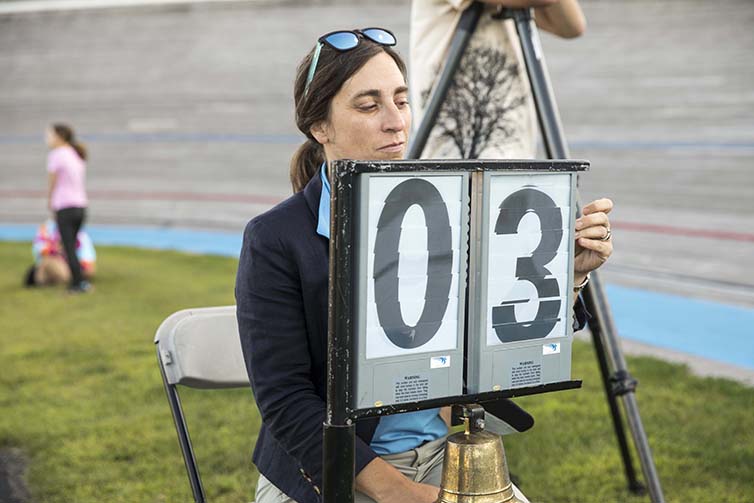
{"type": "Point", "coordinates": [549, 121]}
{"type": "Point", "coordinates": [620, 383]}
{"type": "Point", "coordinates": [634, 485]}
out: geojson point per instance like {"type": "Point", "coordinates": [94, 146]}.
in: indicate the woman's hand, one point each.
{"type": "Point", "coordinates": [563, 18]}
{"type": "Point", "coordinates": [382, 482]}
{"type": "Point", "coordinates": [594, 243]}
{"type": "Point", "coordinates": [413, 492]}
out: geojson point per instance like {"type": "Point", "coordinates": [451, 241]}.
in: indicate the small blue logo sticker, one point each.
{"type": "Point", "coordinates": [551, 349]}
{"type": "Point", "coordinates": [439, 362]}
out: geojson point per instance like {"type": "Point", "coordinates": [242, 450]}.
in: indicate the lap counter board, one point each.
{"type": "Point", "coordinates": [460, 275]}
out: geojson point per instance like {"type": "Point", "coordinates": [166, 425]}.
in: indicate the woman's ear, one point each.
{"type": "Point", "coordinates": [320, 133]}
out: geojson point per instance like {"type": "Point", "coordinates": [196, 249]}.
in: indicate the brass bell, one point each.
{"type": "Point", "coordinates": [475, 469]}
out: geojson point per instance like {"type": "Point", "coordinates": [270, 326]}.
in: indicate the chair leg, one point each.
{"type": "Point", "coordinates": [183, 436]}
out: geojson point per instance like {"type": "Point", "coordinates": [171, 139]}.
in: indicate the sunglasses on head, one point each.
{"type": "Point", "coordinates": [345, 40]}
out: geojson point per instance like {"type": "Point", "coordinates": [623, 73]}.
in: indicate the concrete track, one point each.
{"type": "Point", "coordinates": [188, 113]}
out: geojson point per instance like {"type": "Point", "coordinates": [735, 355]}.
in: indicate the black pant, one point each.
{"type": "Point", "coordinates": [70, 221]}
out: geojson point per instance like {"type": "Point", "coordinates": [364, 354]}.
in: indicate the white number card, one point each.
{"type": "Point", "coordinates": [414, 262]}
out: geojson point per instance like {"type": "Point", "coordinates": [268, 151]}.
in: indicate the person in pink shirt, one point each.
{"type": "Point", "coordinates": [66, 166]}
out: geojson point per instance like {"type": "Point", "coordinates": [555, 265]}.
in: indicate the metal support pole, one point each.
{"type": "Point", "coordinates": [601, 325]}
{"type": "Point", "coordinates": [339, 431]}
{"type": "Point", "coordinates": [338, 478]}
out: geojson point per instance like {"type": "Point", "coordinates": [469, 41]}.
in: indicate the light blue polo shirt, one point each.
{"type": "Point", "coordinates": [397, 432]}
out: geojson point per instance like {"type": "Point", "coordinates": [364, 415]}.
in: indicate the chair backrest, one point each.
{"type": "Point", "coordinates": [200, 348]}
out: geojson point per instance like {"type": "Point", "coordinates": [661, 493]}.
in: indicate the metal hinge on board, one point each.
{"type": "Point", "coordinates": [167, 357]}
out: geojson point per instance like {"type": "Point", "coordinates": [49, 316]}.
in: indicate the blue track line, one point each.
{"type": "Point", "coordinates": [226, 244]}
{"type": "Point", "coordinates": [708, 329]}
{"type": "Point", "coordinates": [703, 328]}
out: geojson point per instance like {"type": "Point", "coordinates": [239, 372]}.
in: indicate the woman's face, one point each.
{"type": "Point", "coordinates": [52, 139]}
{"type": "Point", "coordinates": [370, 117]}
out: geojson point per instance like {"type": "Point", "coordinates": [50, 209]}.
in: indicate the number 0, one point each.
{"type": "Point", "coordinates": [531, 269]}
{"type": "Point", "coordinates": [386, 259]}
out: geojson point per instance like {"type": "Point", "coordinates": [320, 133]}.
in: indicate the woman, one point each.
{"type": "Point", "coordinates": [351, 102]}
{"type": "Point", "coordinates": [66, 165]}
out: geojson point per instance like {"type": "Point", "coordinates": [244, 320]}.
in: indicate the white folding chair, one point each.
{"type": "Point", "coordinates": [198, 348]}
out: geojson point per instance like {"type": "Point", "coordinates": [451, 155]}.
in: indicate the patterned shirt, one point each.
{"type": "Point", "coordinates": [489, 110]}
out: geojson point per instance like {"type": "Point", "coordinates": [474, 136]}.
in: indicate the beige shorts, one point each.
{"type": "Point", "coordinates": [423, 464]}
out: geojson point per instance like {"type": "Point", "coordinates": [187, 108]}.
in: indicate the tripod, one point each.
{"type": "Point", "coordinates": [619, 382]}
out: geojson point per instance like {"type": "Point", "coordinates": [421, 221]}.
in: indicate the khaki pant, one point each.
{"type": "Point", "coordinates": [423, 464]}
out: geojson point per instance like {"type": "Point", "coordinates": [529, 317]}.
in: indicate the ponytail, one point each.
{"type": "Point", "coordinates": [80, 149]}
{"type": "Point", "coordinates": [65, 133]}
{"type": "Point", "coordinates": [305, 163]}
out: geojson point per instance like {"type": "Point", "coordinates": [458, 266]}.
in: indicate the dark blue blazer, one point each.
{"type": "Point", "coordinates": [281, 297]}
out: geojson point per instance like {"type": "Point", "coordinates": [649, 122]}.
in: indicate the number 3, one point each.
{"type": "Point", "coordinates": [531, 269]}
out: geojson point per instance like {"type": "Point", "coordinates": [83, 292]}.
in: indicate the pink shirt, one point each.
{"type": "Point", "coordinates": [69, 191]}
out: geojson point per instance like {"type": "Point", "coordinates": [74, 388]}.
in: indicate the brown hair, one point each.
{"type": "Point", "coordinates": [65, 133]}
{"type": "Point", "coordinates": [334, 68]}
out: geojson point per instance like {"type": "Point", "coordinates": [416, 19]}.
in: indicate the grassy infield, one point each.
{"type": "Point", "coordinates": [80, 393]}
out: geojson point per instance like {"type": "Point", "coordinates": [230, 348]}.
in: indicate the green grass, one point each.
{"type": "Point", "coordinates": [81, 395]}
{"type": "Point", "coordinates": [701, 431]}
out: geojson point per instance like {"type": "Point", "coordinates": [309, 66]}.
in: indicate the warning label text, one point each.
{"type": "Point", "coordinates": [411, 388]}
{"type": "Point", "coordinates": [526, 373]}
